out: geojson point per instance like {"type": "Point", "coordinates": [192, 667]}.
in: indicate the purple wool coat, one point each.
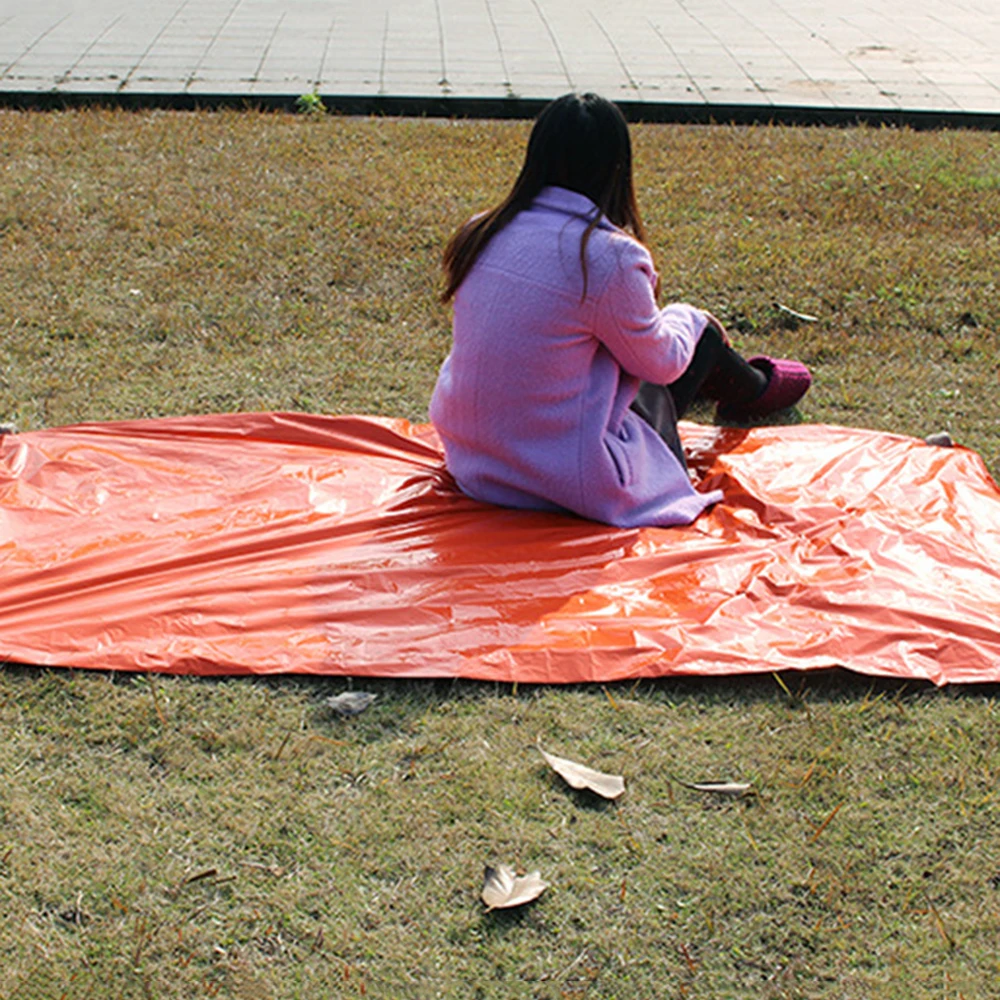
{"type": "Point", "coordinates": [532, 403]}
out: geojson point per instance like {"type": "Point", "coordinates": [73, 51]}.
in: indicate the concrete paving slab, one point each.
{"type": "Point", "coordinates": [663, 58]}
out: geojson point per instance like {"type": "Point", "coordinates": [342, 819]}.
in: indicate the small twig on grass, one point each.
{"type": "Point", "coordinates": [207, 873]}
{"type": "Point", "coordinates": [783, 686]}
{"type": "Point", "coordinates": [572, 965]}
{"type": "Point", "coordinates": [143, 936]}
{"type": "Point", "coordinates": [804, 780]}
{"type": "Point", "coordinates": [284, 743]}
{"type": "Point", "coordinates": [688, 960]}
{"type": "Point", "coordinates": [316, 738]}
{"type": "Point", "coordinates": [897, 698]}
{"type": "Point", "coordinates": [819, 830]}
{"type": "Point", "coordinates": [869, 702]}
{"type": "Point", "coordinates": [317, 942]}
{"type": "Point", "coordinates": [75, 914]}
{"type": "Point", "coordinates": [939, 924]}
{"type": "Point", "coordinates": [276, 870]}
{"type": "Point", "coordinates": [794, 700]}
{"type": "Point", "coordinates": [160, 714]}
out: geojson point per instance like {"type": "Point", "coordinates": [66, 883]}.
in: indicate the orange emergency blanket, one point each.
{"type": "Point", "coordinates": [263, 543]}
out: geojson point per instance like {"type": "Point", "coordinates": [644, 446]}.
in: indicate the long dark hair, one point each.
{"type": "Point", "coordinates": [580, 142]}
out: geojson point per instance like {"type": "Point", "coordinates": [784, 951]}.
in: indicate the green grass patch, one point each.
{"type": "Point", "coordinates": [177, 837]}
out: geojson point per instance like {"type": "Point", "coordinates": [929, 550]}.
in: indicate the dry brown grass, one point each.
{"type": "Point", "coordinates": [181, 838]}
{"type": "Point", "coordinates": [162, 263]}
{"type": "Point", "coordinates": [166, 837]}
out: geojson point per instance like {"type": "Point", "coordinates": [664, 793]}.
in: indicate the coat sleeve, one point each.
{"type": "Point", "coordinates": [650, 343]}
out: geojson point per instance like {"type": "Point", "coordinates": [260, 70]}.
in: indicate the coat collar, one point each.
{"type": "Point", "coordinates": [560, 199]}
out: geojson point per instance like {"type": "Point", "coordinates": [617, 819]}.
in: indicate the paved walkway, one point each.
{"type": "Point", "coordinates": [891, 56]}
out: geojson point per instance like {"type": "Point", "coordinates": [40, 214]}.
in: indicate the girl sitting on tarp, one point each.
{"type": "Point", "coordinates": [565, 379]}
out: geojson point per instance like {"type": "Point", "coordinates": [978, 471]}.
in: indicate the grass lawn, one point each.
{"type": "Point", "coordinates": [174, 838]}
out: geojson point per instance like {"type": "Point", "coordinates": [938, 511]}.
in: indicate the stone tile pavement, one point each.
{"type": "Point", "coordinates": [663, 58]}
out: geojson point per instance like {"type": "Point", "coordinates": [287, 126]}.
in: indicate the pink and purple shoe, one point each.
{"type": "Point", "coordinates": [787, 383]}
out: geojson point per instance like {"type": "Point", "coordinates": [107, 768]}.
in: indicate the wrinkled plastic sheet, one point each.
{"type": "Point", "coordinates": [270, 543]}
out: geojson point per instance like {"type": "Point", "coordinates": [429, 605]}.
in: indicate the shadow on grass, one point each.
{"type": "Point", "coordinates": [400, 700]}
{"type": "Point", "coordinates": [497, 924]}
{"type": "Point", "coordinates": [580, 798]}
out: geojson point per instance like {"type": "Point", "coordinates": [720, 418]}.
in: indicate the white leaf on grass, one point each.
{"type": "Point", "coordinates": [351, 702]}
{"type": "Point", "coordinates": [579, 776]}
{"type": "Point", "coordinates": [503, 889]}
{"type": "Point", "coordinates": [737, 789]}
{"type": "Point", "coordinates": [795, 314]}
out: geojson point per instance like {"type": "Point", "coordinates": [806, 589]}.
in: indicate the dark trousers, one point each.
{"type": "Point", "coordinates": [716, 372]}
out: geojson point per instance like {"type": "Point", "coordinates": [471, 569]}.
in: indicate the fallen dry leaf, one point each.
{"type": "Point", "coordinates": [794, 314]}
{"type": "Point", "coordinates": [351, 702]}
{"type": "Point", "coordinates": [940, 438]}
{"type": "Point", "coordinates": [579, 776]}
{"type": "Point", "coordinates": [737, 789]}
{"type": "Point", "coordinates": [502, 889]}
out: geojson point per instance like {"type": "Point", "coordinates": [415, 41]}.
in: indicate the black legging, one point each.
{"type": "Point", "coordinates": [716, 372]}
